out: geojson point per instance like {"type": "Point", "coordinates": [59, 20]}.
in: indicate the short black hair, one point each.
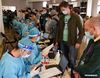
{"type": "Point", "coordinates": [15, 46]}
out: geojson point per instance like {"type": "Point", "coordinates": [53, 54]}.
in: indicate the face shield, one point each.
{"type": "Point", "coordinates": [37, 37]}
{"type": "Point", "coordinates": [25, 53]}
{"type": "Point", "coordinates": [25, 50]}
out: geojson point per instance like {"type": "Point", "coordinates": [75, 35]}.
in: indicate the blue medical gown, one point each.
{"type": "Point", "coordinates": [11, 67]}
{"type": "Point", "coordinates": [32, 25]}
{"type": "Point", "coordinates": [36, 56]}
{"type": "Point", "coordinates": [5, 19]}
{"type": "Point", "coordinates": [24, 30]}
{"type": "Point", "coordinates": [20, 27]}
{"type": "Point", "coordinates": [16, 25]}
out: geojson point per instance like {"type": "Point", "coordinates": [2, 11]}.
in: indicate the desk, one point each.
{"type": "Point", "coordinates": [53, 62]}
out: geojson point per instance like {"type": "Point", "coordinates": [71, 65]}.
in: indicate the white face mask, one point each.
{"type": "Point", "coordinates": [24, 53]}
{"type": "Point", "coordinates": [44, 12]}
{"type": "Point", "coordinates": [64, 12]}
{"type": "Point", "coordinates": [25, 56]}
{"type": "Point", "coordinates": [88, 35]}
{"type": "Point", "coordinates": [38, 39]}
{"type": "Point", "coordinates": [47, 19]}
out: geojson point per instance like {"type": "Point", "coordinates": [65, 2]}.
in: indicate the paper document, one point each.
{"type": "Point", "coordinates": [34, 65]}
{"type": "Point", "coordinates": [50, 72]}
{"type": "Point", "coordinates": [47, 49]}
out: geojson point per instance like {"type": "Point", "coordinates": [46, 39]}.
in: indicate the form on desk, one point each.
{"type": "Point", "coordinates": [53, 71]}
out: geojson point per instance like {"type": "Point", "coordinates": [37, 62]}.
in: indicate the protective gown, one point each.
{"type": "Point", "coordinates": [11, 67]}
{"type": "Point", "coordinates": [35, 57]}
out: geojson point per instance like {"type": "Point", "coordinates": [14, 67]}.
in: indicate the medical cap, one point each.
{"type": "Point", "coordinates": [34, 32]}
{"type": "Point", "coordinates": [25, 47]}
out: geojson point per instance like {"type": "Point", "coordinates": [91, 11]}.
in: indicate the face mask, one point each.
{"type": "Point", "coordinates": [25, 56]}
{"type": "Point", "coordinates": [38, 39]}
{"type": "Point", "coordinates": [88, 35]}
{"type": "Point", "coordinates": [64, 12]}
{"type": "Point", "coordinates": [24, 53]}
{"type": "Point", "coordinates": [47, 19]}
{"type": "Point", "coordinates": [44, 12]}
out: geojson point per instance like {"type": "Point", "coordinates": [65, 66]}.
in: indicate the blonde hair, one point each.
{"type": "Point", "coordinates": [95, 21]}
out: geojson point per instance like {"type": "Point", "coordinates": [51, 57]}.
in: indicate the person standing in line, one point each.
{"type": "Point", "coordinates": [67, 35]}
{"type": "Point", "coordinates": [89, 65]}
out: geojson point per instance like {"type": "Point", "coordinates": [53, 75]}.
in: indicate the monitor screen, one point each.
{"type": "Point", "coordinates": [63, 63]}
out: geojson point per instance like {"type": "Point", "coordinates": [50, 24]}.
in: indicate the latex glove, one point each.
{"type": "Point", "coordinates": [34, 72]}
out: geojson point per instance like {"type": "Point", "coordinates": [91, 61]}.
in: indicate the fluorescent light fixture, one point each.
{"type": "Point", "coordinates": [73, 0]}
{"type": "Point", "coordinates": [36, 0]}
{"type": "Point", "coordinates": [44, 4]}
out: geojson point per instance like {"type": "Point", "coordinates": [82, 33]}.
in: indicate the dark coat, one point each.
{"type": "Point", "coordinates": [74, 23]}
{"type": "Point", "coordinates": [91, 64]}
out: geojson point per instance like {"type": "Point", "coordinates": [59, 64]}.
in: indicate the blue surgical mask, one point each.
{"type": "Point", "coordinates": [88, 35]}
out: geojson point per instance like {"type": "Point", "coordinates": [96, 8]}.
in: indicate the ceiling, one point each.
{"type": "Point", "coordinates": [36, 0]}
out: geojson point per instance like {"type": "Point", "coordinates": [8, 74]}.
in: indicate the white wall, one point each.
{"type": "Point", "coordinates": [20, 4]}
{"type": "Point", "coordinates": [94, 7]}
{"type": "Point", "coordinates": [38, 5]}
{"type": "Point", "coordinates": [1, 19]}
{"type": "Point", "coordinates": [89, 8]}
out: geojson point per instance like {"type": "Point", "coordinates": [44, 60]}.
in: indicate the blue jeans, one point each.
{"type": "Point", "coordinates": [69, 52]}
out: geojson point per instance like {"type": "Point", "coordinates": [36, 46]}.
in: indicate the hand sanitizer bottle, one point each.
{"type": "Point", "coordinates": [57, 57]}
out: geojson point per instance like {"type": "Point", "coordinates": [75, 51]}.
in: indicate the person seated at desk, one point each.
{"type": "Point", "coordinates": [31, 40]}
{"type": "Point", "coordinates": [89, 65]}
{"type": "Point", "coordinates": [12, 64]}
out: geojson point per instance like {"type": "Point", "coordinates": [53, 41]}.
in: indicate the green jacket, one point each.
{"type": "Point", "coordinates": [74, 23]}
{"type": "Point", "coordinates": [91, 64]}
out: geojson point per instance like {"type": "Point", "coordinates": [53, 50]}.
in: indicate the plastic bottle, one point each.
{"type": "Point", "coordinates": [43, 59]}
{"type": "Point", "coordinates": [41, 34]}
{"type": "Point", "coordinates": [57, 57]}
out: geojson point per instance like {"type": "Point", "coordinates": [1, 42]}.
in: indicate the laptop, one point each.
{"type": "Point", "coordinates": [54, 70]}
